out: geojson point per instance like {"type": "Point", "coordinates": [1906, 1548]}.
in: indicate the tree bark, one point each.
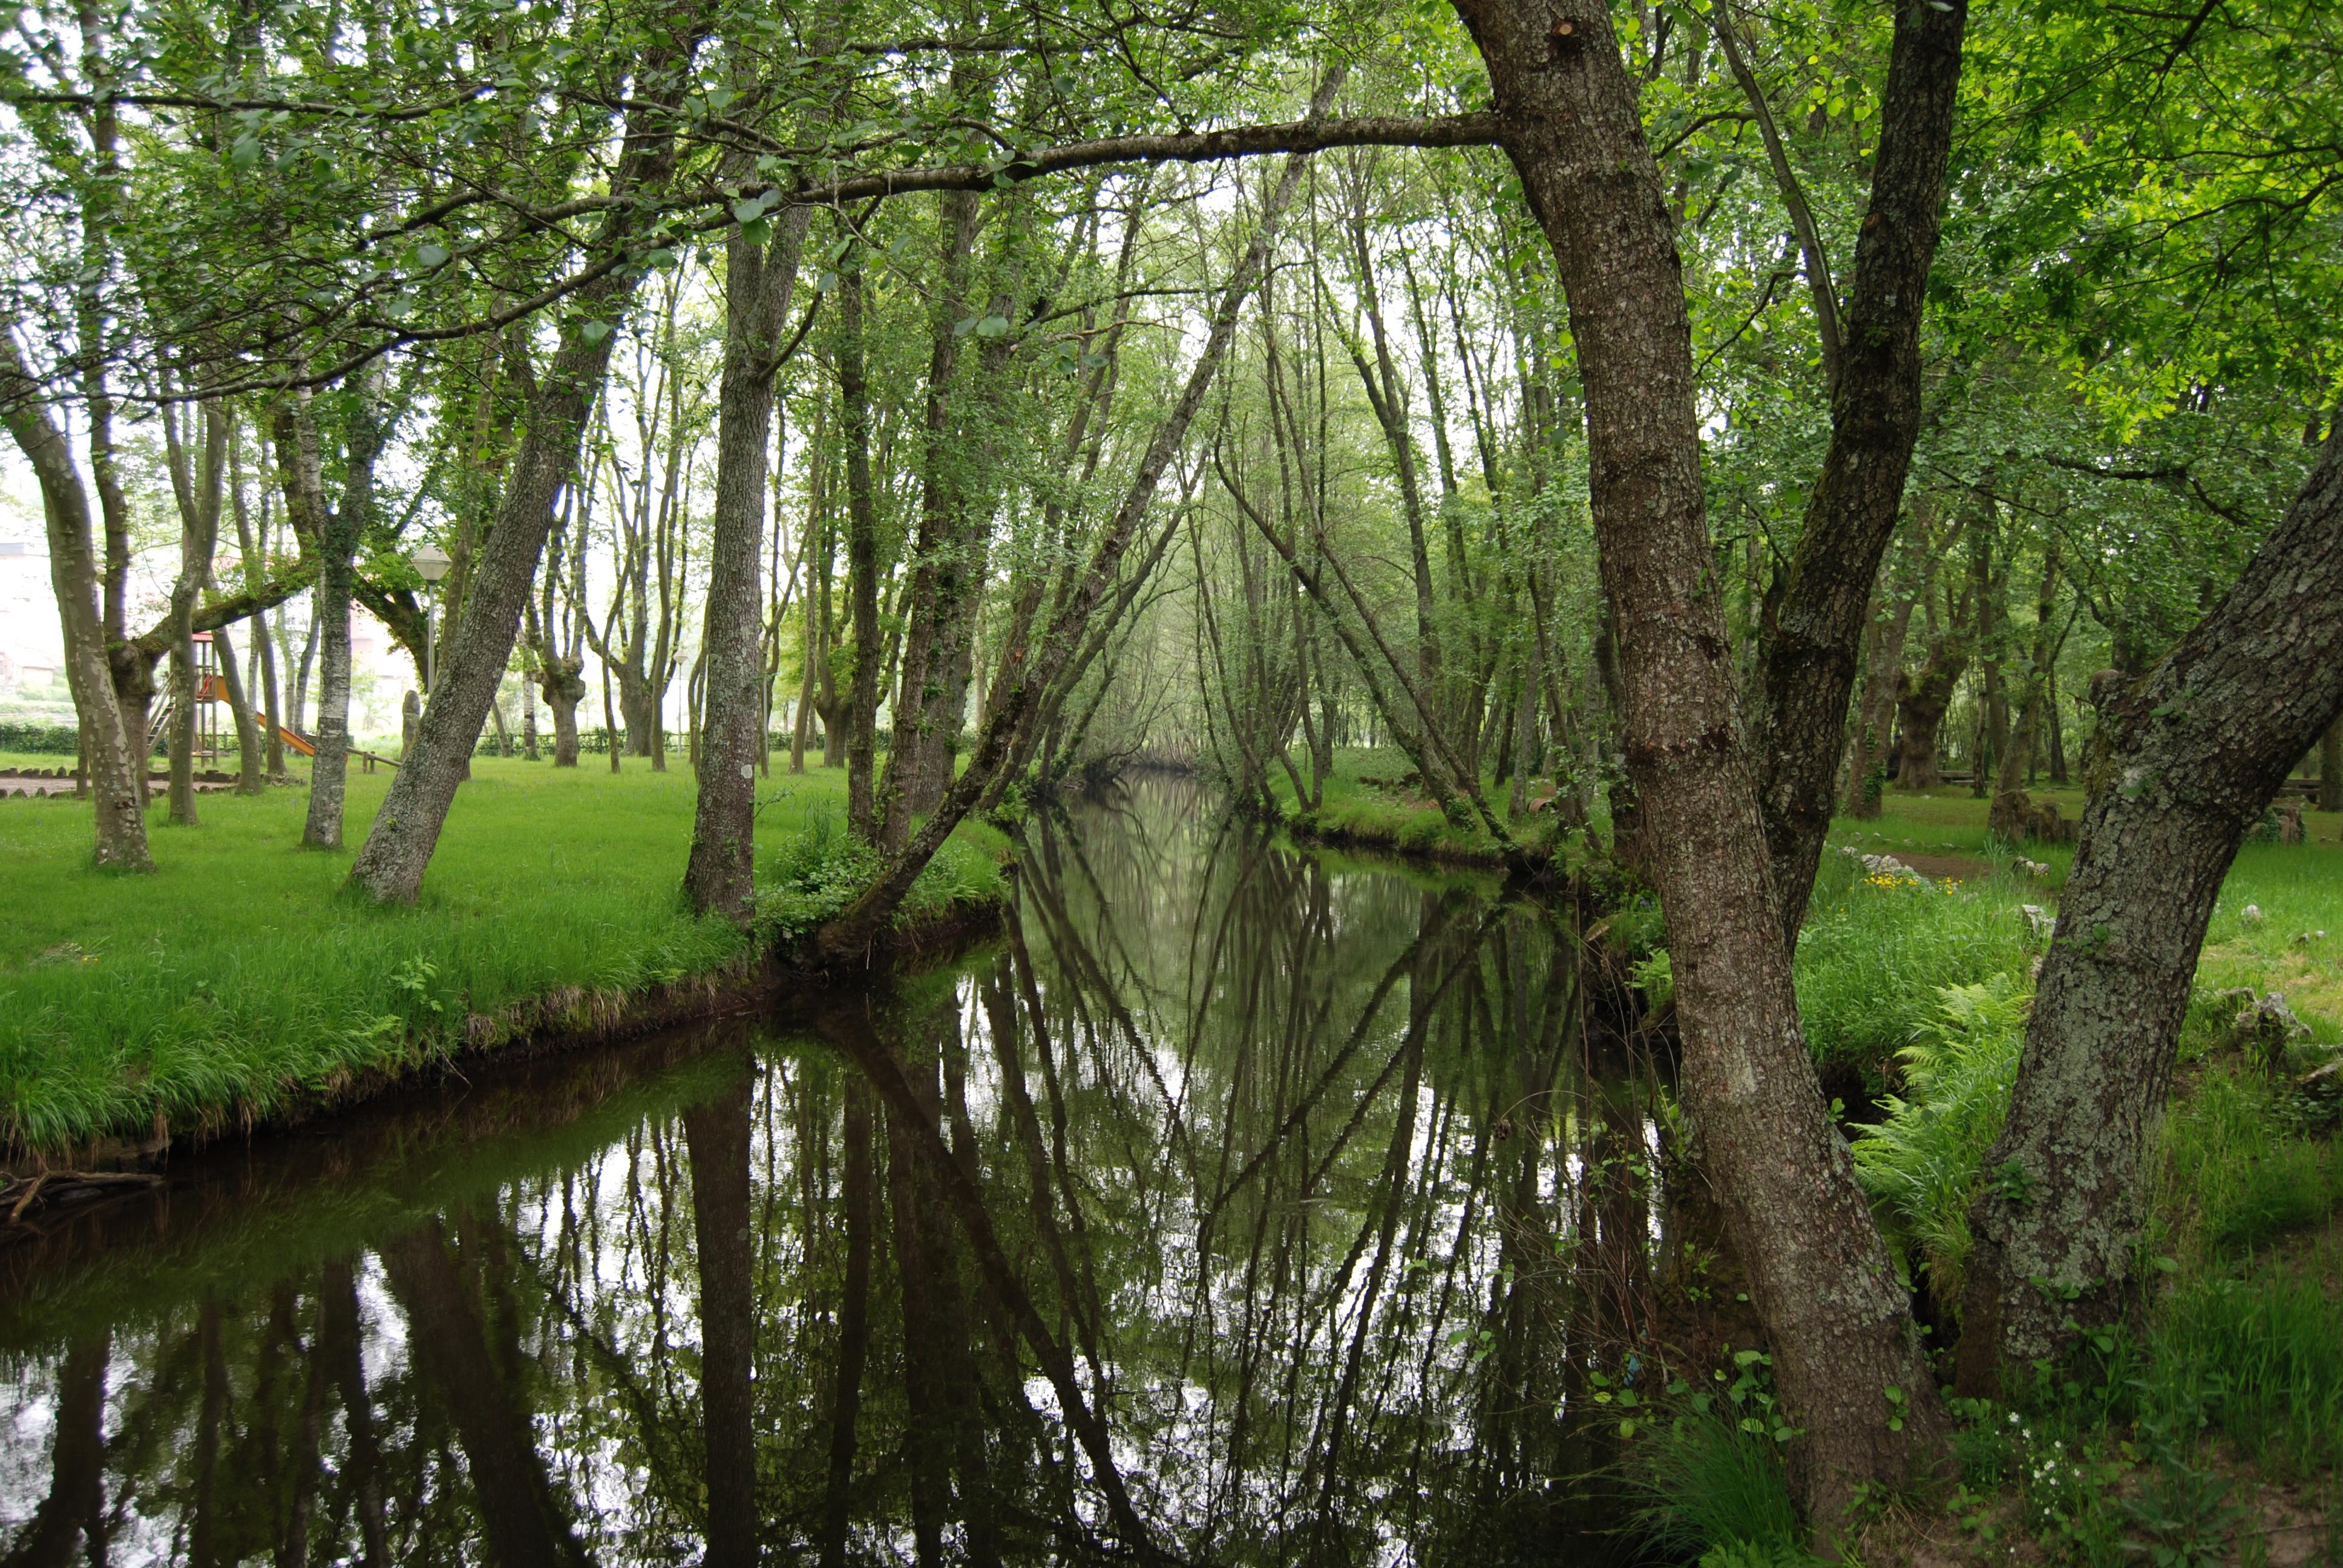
{"type": "Point", "coordinates": [1877, 718]}
{"type": "Point", "coordinates": [760, 279]}
{"type": "Point", "coordinates": [861, 556]}
{"type": "Point", "coordinates": [1847, 1352]}
{"type": "Point", "coordinates": [1024, 682]}
{"type": "Point", "coordinates": [334, 534]}
{"type": "Point", "coordinates": [256, 567]}
{"type": "Point", "coordinates": [390, 867]}
{"type": "Point", "coordinates": [1808, 662]}
{"type": "Point", "coordinates": [248, 773]}
{"type": "Point", "coordinates": [113, 749]}
{"type": "Point", "coordinates": [2184, 762]}
{"type": "Point", "coordinates": [2007, 818]}
{"type": "Point", "coordinates": [198, 496]}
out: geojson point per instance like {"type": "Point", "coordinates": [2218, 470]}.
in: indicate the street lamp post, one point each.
{"type": "Point", "coordinates": [430, 563]}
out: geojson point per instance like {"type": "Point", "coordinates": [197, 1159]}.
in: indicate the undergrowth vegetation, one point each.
{"type": "Point", "coordinates": [2159, 1441]}
{"type": "Point", "coordinates": [1369, 799]}
{"type": "Point", "coordinates": [237, 980]}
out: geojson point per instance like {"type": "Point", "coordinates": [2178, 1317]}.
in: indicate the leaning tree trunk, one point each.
{"type": "Point", "coordinates": [1810, 653]}
{"type": "Point", "coordinates": [113, 751]}
{"type": "Point", "coordinates": [2184, 761]}
{"type": "Point", "coordinates": [1028, 681]}
{"type": "Point", "coordinates": [1847, 1353]}
{"type": "Point", "coordinates": [758, 285]}
{"type": "Point", "coordinates": [407, 829]}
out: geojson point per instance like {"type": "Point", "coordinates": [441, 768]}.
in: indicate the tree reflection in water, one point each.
{"type": "Point", "coordinates": [1240, 1205]}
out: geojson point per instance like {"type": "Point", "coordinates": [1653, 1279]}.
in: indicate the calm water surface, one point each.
{"type": "Point", "coordinates": [1239, 1206]}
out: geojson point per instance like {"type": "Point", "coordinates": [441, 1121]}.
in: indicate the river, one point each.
{"type": "Point", "coordinates": [1241, 1204]}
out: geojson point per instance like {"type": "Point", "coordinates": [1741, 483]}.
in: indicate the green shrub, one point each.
{"type": "Point", "coordinates": [1920, 1164]}
{"type": "Point", "coordinates": [816, 874]}
{"type": "Point", "coordinates": [41, 739]}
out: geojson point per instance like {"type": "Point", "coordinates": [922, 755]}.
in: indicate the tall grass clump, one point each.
{"type": "Point", "coordinates": [2239, 1170]}
{"type": "Point", "coordinates": [1877, 951]}
{"type": "Point", "coordinates": [2258, 1359]}
{"type": "Point", "coordinates": [1919, 1165]}
{"type": "Point", "coordinates": [1716, 1492]}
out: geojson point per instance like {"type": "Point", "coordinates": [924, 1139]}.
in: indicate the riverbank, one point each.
{"type": "Point", "coordinates": [236, 988]}
{"type": "Point", "coordinates": [1373, 799]}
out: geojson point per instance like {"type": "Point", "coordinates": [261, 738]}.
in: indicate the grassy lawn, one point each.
{"type": "Point", "coordinates": [1860, 944]}
{"type": "Point", "coordinates": [236, 978]}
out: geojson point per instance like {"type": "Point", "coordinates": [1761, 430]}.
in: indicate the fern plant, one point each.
{"type": "Point", "coordinates": [1920, 1165]}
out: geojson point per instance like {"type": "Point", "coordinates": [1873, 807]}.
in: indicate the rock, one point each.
{"type": "Point", "coordinates": [2038, 921]}
{"type": "Point", "coordinates": [2265, 1029]}
{"type": "Point", "coordinates": [2289, 821]}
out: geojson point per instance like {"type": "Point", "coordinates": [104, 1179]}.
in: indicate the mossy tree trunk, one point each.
{"type": "Point", "coordinates": [2184, 761]}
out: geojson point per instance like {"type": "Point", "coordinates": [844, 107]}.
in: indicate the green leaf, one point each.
{"type": "Point", "coordinates": [428, 255]}
{"type": "Point", "coordinates": [244, 152]}
{"type": "Point", "coordinates": [992, 326]}
{"type": "Point", "coordinates": [593, 332]}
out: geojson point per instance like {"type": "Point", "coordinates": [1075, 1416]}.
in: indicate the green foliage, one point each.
{"type": "Point", "coordinates": [1919, 1165]}
{"type": "Point", "coordinates": [1874, 960]}
{"type": "Point", "coordinates": [2257, 1358]}
{"type": "Point", "coordinates": [41, 739]}
{"type": "Point", "coordinates": [820, 871]}
{"type": "Point", "coordinates": [1713, 1476]}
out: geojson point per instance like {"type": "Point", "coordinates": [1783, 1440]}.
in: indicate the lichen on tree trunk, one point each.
{"type": "Point", "coordinates": [2184, 761]}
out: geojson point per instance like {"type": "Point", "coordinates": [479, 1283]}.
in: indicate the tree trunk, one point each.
{"type": "Point", "coordinates": [1847, 1353]}
{"type": "Point", "coordinates": [263, 642]}
{"type": "Point", "coordinates": [2184, 762]}
{"type": "Point", "coordinates": [1025, 682]}
{"type": "Point", "coordinates": [2009, 817]}
{"type": "Point", "coordinates": [407, 829]}
{"type": "Point", "coordinates": [861, 556]}
{"type": "Point", "coordinates": [760, 283]}
{"type": "Point", "coordinates": [298, 700]}
{"type": "Point", "coordinates": [197, 493]}
{"type": "Point", "coordinates": [113, 749]}
{"type": "Point", "coordinates": [1809, 657]}
{"type": "Point", "coordinates": [1876, 721]}
{"type": "Point", "coordinates": [942, 521]}
{"type": "Point", "coordinates": [248, 778]}
{"type": "Point", "coordinates": [334, 538]}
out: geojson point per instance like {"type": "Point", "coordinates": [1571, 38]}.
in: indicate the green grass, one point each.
{"type": "Point", "coordinates": [236, 979]}
{"type": "Point", "coordinates": [1876, 955]}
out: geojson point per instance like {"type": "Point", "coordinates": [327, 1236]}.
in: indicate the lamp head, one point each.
{"type": "Point", "coordinates": [430, 562]}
